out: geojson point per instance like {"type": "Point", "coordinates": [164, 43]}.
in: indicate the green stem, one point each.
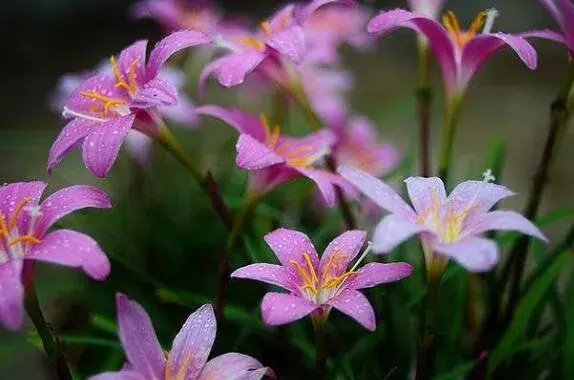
{"type": "Point", "coordinates": [559, 116]}
{"type": "Point", "coordinates": [452, 115]}
{"type": "Point", "coordinates": [224, 268]}
{"type": "Point", "coordinates": [320, 348]}
{"type": "Point", "coordinates": [49, 341]}
{"type": "Point", "coordinates": [424, 99]}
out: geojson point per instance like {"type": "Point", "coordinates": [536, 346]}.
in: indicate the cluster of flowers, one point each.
{"type": "Point", "coordinates": [295, 50]}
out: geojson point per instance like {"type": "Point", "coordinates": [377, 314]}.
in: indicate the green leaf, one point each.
{"type": "Point", "coordinates": [90, 341]}
{"type": "Point", "coordinates": [456, 373]}
{"type": "Point", "coordinates": [104, 323]}
{"type": "Point", "coordinates": [506, 346]}
{"type": "Point", "coordinates": [568, 354]}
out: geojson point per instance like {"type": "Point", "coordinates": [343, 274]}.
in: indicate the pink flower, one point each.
{"type": "Point", "coordinates": [187, 359]}
{"type": "Point", "coordinates": [448, 226]}
{"type": "Point", "coordinates": [563, 12]}
{"type": "Point", "coordinates": [105, 107]}
{"type": "Point", "coordinates": [281, 36]}
{"type": "Point", "coordinates": [24, 223]}
{"type": "Point", "coordinates": [201, 16]}
{"type": "Point", "coordinates": [429, 8]}
{"type": "Point", "coordinates": [459, 53]}
{"type": "Point", "coordinates": [273, 158]}
{"type": "Point", "coordinates": [358, 146]}
{"type": "Point", "coordinates": [316, 285]}
{"type": "Point", "coordinates": [138, 144]}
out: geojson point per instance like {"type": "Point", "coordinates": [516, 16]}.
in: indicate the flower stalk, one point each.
{"type": "Point", "coordinates": [452, 116]}
{"type": "Point", "coordinates": [49, 341]}
{"type": "Point", "coordinates": [424, 99]}
{"type": "Point", "coordinates": [320, 348]}
{"type": "Point", "coordinates": [559, 116]}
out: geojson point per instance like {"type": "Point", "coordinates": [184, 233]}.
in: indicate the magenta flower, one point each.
{"type": "Point", "coordinates": [429, 8]}
{"type": "Point", "coordinates": [187, 359]}
{"type": "Point", "coordinates": [24, 223]}
{"type": "Point", "coordinates": [138, 144]}
{"type": "Point", "coordinates": [459, 53]}
{"type": "Point", "coordinates": [448, 226]}
{"type": "Point", "coordinates": [273, 158]}
{"type": "Point", "coordinates": [281, 36]}
{"type": "Point", "coordinates": [105, 107]}
{"type": "Point", "coordinates": [563, 12]}
{"type": "Point", "coordinates": [358, 146]}
{"type": "Point", "coordinates": [315, 286]}
{"type": "Point", "coordinates": [201, 16]}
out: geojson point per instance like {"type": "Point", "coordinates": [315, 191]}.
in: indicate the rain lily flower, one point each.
{"type": "Point", "coordinates": [460, 53]}
{"type": "Point", "coordinates": [138, 144]}
{"type": "Point", "coordinates": [281, 36]}
{"type": "Point", "coordinates": [316, 285]}
{"type": "Point", "coordinates": [187, 359]}
{"type": "Point", "coordinates": [429, 8]}
{"type": "Point", "coordinates": [273, 158]}
{"type": "Point", "coordinates": [199, 15]}
{"type": "Point", "coordinates": [330, 27]}
{"type": "Point", "coordinates": [563, 12]}
{"type": "Point", "coordinates": [357, 146]}
{"type": "Point", "coordinates": [448, 226]}
{"type": "Point", "coordinates": [24, 225]}
{"type": "Point", "coordinates": [105, 107]}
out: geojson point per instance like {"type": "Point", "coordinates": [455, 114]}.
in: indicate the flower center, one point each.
{"type": "Point", "coordinates": [484, 20]}
{"type": "Point", "coordinates": [12, 243]}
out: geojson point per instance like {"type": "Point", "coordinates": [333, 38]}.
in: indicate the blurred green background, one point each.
{"type": "Point", "coordinates": [162, 235]}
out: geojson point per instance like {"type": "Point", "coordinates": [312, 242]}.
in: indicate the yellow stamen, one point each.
{"type": "Point", "coordinates": [14, 219]}
{"type": "Point", "coordinates": [338, 279]}
{"type": "Point", "coordinates": [25, 238]}
{"type": "Point", "coordinates": [452, 25]}
{"type": "Point", "coordinates": [108, 101]}
{"type": "Point", "coordinates": [130, 85]}
{"type": "Point", "coordinates": [271, 134]}
{"type": "Point", "coordinates": [307, 274]}
{"type": "Point", "coordinates": [252, 42]}
{"type": "Point", "coordinates": [265, 27]}
{"type": "Point", "coordinates": [3, 227]}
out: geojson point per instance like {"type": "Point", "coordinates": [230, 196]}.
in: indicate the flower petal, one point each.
{"type": "Point", "coordinates": [192, 344]}
{"type": "Point", "coordinates": [392, 231]}
{"type": "Point", "coordinates": [326, 182]}
{"type": "Point", "coordinates": [132, 59]}
{"type": "Point", "coordinates": [374, 274]}
{"type": "Point", "coordinates": [234, 366]}
{"type": "Point", "coordinates": [170, 45]}
{"type": "Point", "coordinates": [381, 193]}
{"type": "Point", "coordinates": [340, 252]}
{"type": "Point", "coordinates": [308, 10]}
{"type": "Point", "coordinates": [545, 34]}
{"type": "Point", "coordinates": [68, 200]}
{"type": "Point", "coordinates": [11, 295]}
{"type": "Point", "coordinates": [473, 253]}
{"type": "Point", "coordinates": [231, 69]}
{"type": "Point", "coordinates": [482, 196]}
{"type": "Point", "coordinates": [439, 39]}
{"type": "Point", "coordinates": [155, 93]}
{"type": "Point", "coordinates": [269, 273]}
{"type": "Point", "coordinates": [138, 338]}
{"type": "Point", "coordinates": [139, 146]}
{"type": "Point", "coordinates": [291, 245]}
{"type": "Point", "coordinates": [72, 249]}
{"type": "Point", "coordinates": [290, 43]}
{"type": "Point", "coordinates": [13, 194]}
{"type": "Point", "coordinates": [504, 221]}
{"type": "Point", "coordinates": [354, 304]}
{"type": "Point", "coordinates": [280, 308]}
{"type": "Point", "coordinates": [101, 147]}
{"type": "Point", "coordinates": [254, 155]}
{"type": "Point", "coordinates": [482, 46]}
{"type": "Point", "coordinates": [182, 113]}
{"type": "Point", "coordinates": [425, 192]}
{"type": "Point", "coordinates": [430, 8]}
{"type": "Point", "coordinates": [242, 121]}
{"type": "Point", "coordinates": [120, 375]}
{"type": "Point", "coordinates": [81, 104]}
{"type": "Point", "coordinates": [70, 136]}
